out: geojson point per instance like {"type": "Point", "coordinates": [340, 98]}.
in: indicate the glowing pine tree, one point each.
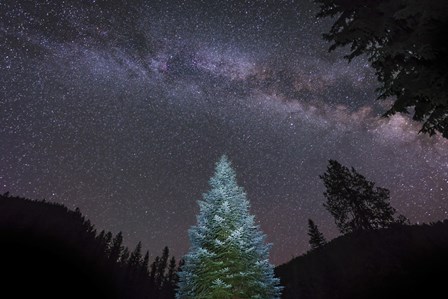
{"type": "Point", "coordinates": [228, 257]}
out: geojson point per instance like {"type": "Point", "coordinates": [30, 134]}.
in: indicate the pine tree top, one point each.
{"type": "Point", "coordinates": [224, 173]}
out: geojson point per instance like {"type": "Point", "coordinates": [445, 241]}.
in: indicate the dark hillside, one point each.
{"type": "Point", "coordinates": [399, 262]}
{"type": "Point", "coordinates": [48, 251]}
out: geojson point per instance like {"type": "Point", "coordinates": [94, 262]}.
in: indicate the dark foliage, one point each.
{"type": "Point", "coordinates": [317, 239]}
{"type": "Point", "coordinates": [49, 252]}
{"type": "Point", "coordinates": [354, 202]}
{"type": "Point", "coordinates": [405, 42]}
{"type": "Point", "coordinates": [397, 262]}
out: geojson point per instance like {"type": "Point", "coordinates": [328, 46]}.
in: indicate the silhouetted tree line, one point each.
{"type": "Point", "coordinates": [57, 253]}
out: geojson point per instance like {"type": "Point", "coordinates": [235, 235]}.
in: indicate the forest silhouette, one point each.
{"type": "Point", "coordinates": [53, 252]}
{"type": "Point", "coordinates": [50, 251]}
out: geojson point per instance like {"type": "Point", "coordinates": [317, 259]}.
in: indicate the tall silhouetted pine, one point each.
{"type": "Point", "coordinates": [355, 203]}
{"type": "Point", "coordinates": [153, 271]}
{"type": "Point", "coordinates": [108, 242]}
{"type": "Point", "coordinates": [116, 248]}
{"type": "Point", "coordinates": [228, 257]}
{"type": "Point", "coordinates": [136, 257]}
{"type": "Point", "coordinates": [317, 239]}
{"type": "Point", "coordinates": [102, 244]}
{"type": "Point", "coordinates": [145, 264]}
{"type": "Point", "coordinates": [124, 258]}
{"type": "Point", "coordinates": [170, 280]}
{"type": "Point", "coordinates": [161, 267]}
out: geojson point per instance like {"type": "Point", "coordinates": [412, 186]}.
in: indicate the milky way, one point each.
{"type": "Point", "coordinates": [123, 109]}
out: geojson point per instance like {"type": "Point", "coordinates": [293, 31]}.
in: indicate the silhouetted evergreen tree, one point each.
{"type": "Point", "coordinates": [153, 272]}
{"type": "Point", "coordinates": [171, 278]}
{"type": "Point", "coordinates": [116, 248]}
{"type": "Point", "coordinates": [172, 271]}
{"type": "Point", "coordinates": [88, 227]}
{"type": "Point", "coordinates": [124, 258]}
{"type": "Point", "coordinates": [317, 239]}
{"type": "Point", "coordinates": [355, 203]}
{"type": "Point", "coordinates": [145, 264]}
{"type": "Point", "coordinates": [102, 243]}
{"type": "Point", "coordinates": [136, 257]}
{"type": "Point", "coordinates": [161, 268]}
{"type": "Point", "coordinates": [108, 242]}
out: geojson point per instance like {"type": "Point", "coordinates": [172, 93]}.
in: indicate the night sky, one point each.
{"type": "Point", "coordinates": [121, 108]}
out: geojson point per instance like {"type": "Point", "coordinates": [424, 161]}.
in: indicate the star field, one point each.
{"type": "Point", "coordinates": [121, 108]}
